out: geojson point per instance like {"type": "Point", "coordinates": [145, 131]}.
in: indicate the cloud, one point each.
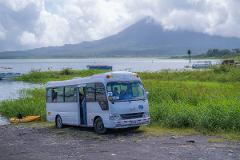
{"type": "Point", "coordinates": [28, 38]}
{"type": "Point", "coordinates": [2, 32]}
{"type": "Point", "coordinates": [28, 24]}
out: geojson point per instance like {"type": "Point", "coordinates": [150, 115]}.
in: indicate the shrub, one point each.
{"type": "Point", "coordinates": [66, 71]}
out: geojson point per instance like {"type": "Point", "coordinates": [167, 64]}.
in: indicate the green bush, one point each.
{"type": "Point", "coordinates": [66, 71]}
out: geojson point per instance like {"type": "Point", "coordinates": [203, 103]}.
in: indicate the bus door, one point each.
{"type": "Point", "coordinates": [82, 105]}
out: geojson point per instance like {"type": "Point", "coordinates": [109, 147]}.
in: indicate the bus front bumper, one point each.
{"type": "Point", "coordinates": [125, 123]}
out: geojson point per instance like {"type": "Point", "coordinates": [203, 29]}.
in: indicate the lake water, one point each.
{"type": "Point", "coordinates": [130, 64]}
{"type": "Point", "coordinates": [10, 89]}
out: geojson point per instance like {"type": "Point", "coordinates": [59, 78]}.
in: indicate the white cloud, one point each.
{"type": "Point", "coordinates": [52, 29]}
{"type": "Point", "coordinates": [18, 5]}
{"type": "Point", "coordinates": [2, 35]}
{"type": "Point", "coordinates": [2, 32]}
{"type": "Point", "coordinates": [40, 23]}
{"type": "Point", "coordinates": [28, 38]}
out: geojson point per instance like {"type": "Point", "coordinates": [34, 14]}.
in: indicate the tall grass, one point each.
{"type": "Point", "coordinates": [31, 102]}
{"type": "Point", "coordinates": [202, 105]}
{"type": "Point", "coordinates": [43, 77]}
{"type": "Point", "coordinates": [196, 99]}
{"type": "Point", "coordinates": [217, 74]}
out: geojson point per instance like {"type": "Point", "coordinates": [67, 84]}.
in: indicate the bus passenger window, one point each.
{"type": "Point", "coordinates": [101, 97]}
{"type": "Point", "coordinates": [58, 94]}
{"type": "Point", "coordinates": [100, 92]}
{"type": "Point", "coordinates": [90, 92]}
{"type": "Point", "coordinates": [70, 94]}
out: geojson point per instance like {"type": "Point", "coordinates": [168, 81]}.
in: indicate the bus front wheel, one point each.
{"type": "Point", "coordinates": [58, 122]}
{"type": "Point", "coordinates": [99, 126]}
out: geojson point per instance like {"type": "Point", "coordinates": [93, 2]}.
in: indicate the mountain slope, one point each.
{"type": "Point", "coordinates": [144, 38]}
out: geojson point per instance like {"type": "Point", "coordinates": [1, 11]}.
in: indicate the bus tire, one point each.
{"type": "Point", "coordinates": [58, 122]}
{"type": "Point", "coordinates": [99, 126]}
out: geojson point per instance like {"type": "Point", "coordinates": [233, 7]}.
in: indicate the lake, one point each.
{"type": "Point", "coordinates": [10, 89]}
{"type": "Point", "coordinates": [129, 64]}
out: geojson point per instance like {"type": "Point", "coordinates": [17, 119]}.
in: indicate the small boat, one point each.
{"type": "Point", "coordinates": [9, 75]}
{"type": "Point", "coordinates": [6, 67]}
{"type": "Point", "coordinates": [101, 67]}
{"type": "Point", "coordinates": [202, 64]}
{"type": "Point", "coordinates": [25, 119]}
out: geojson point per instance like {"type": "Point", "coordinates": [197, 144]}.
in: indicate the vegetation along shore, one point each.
{"type": "Point", "coordinates": [204, 100]}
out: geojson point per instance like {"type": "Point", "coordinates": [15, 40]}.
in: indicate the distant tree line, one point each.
{"type": "Point", "coordinates": [223, 52]}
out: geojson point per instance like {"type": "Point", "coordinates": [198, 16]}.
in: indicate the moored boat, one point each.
{"type": "Point", "coordinates": [9, 75]}
{"type": "Point", "coordinates": [202, 64]}
{"type": "Point", "coordinates": [101, 67]}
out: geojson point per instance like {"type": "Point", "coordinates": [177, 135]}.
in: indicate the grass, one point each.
{"type": "Point", "coordinates": [217, 74]}
{"type": "Point", "coordinates": [206, 101]}
{"type": "Point", "coordinates": [43, 77]}
{"type": "Point", "coordinates": [208, 105]}
{"type": "Point", "coordinates": [31, 102]}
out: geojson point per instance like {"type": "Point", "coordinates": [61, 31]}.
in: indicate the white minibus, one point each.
{"type": "Point", "coordinates": [102, 101]}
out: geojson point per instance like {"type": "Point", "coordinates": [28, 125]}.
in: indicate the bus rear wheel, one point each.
{"type": "Point", "coordinates": [99, 126]}
{"type": "Point", "coordinates": [58, 122]}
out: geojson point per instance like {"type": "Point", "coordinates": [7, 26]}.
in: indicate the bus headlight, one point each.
{"type": "Point", "coordinates": [146, 115]}
{"type": "Point", "coordinates": [114, 117]}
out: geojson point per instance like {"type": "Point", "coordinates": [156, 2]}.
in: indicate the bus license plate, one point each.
{"type": "Point", "coordinates": [133, 122]}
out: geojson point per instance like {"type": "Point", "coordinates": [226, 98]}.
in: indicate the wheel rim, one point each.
{"type": "Point", "coordinates": [100, 126]}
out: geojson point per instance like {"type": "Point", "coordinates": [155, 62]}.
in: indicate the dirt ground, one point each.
{"type": "Point", "coordinates": [33, 142]}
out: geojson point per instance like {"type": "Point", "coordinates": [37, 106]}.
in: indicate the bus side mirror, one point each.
{"type": "Point", "coordinates": [147, 93]}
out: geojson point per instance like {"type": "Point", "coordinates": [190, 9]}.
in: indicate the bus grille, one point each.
{"type": "Point", "coordinates": [132, 115]}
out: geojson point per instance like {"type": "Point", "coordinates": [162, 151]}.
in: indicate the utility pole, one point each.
{"type": "Point", "coordinates": [189, 55]}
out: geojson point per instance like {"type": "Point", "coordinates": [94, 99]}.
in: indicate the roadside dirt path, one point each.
{"type": "Point", "coordinates": [38, 143]}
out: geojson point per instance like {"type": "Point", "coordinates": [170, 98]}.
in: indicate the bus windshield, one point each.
{"type": "Point", "coordinates": [125, 91]}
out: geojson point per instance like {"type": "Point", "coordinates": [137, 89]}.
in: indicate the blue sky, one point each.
{"type": "Point", "coordinates": [26, 24]}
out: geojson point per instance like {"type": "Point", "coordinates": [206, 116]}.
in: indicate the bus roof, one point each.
{"type": "Point", "coordinates": [102, 78]}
